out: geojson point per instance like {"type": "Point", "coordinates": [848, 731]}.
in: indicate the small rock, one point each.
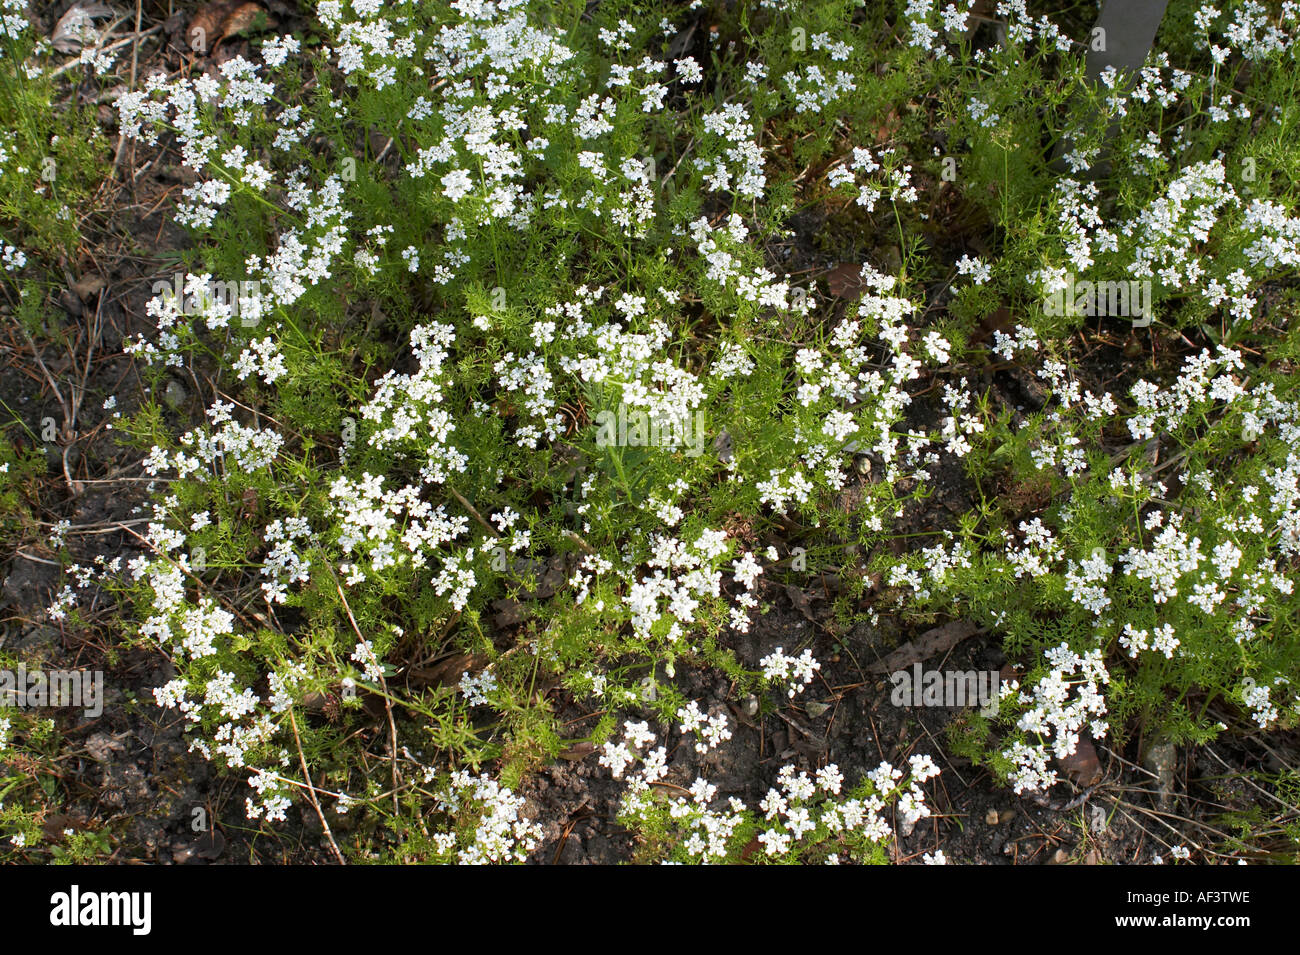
{"type": "Point", "coordinates": [750, 706]}
{"type": "Point", "coordinates": [99, 746]}
{"type": "Point", "coordinates": [991, 817]}
{"type": "Point", "coordinates": [723, 446]}
{"type": "Point", "coordinates": [211, 844]}
{"type": "Point", "coordinates": [815, 710]}
{"type": "Point", "coordinates": [1159, 761]}
{"type": "Point", "coordinates": [175, 394]}
{"type": "Point", "coordinates": [89, 286]}
{"type": "Point", "coordinates": [39, 638]}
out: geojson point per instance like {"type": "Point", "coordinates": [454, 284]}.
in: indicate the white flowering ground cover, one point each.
{"type": "Point", "coordinates": [522, 362]}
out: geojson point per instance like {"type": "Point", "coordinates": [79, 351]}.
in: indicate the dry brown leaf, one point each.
{"type": "Point", "coordinates": [802, 602]}
{"type": "Point", "coordinates": [982, 10]}
{"type": "Point", "coordinates": [887, 126]}
{"type": "Point", "coordinates": [88, 286]}
{"type": "Point", "coordinates": [509, 612]}
{"type": "Point", "coordinates": [578, 751]}
{"type": "Point", "coordinates": [998, 320]}
{"type": "Point", "coordinates": [220, 19]}
{"type": "Point", "coordinates": [1083, 767]}
{"type": "Point", "coordinates": [932, 642]}
{"type": "Point", "coordinates": [446, 672]}
{"type": "Point", "coordinates": [845, 280]}
{"type": "Point", "coordinates": [205, 27]}
{"type": "Point", "coordinates": [242, 18]}
{"type": "Point", "coordinates": [553, 579]}
{"type": "Point", "coordinates": [77, 27]}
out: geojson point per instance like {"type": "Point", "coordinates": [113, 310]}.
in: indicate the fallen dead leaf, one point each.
{"type": "Point", "coordinates": [802, 602]}
{"type": "Point", "coordinates": [845, 280]}
{"type": "Point", "coordinates": [54, 825]}
{"type": "Point", "coordinates": [509, 612]}
{"type": "Point", "coordinates": [928, 644]}
{"type": "Point", "coordinates": [998, 320]}
{"type": "Point", "coordinates": [77, 27]}
{"type": "Point", "coordinates": [446, 672]}
{"type": "Point", "coordinates": [887, 126]}
{"type": "Point", "coordinates": [220, 19]}
{"type": "Point", "coordinates": [578, 751]}
{"type": "Point", "coordinates": [88, 286]}
{"type": "Point", "coordinates": [243, 18]}
{"type": "Point", "coordinates": [1083, 767]}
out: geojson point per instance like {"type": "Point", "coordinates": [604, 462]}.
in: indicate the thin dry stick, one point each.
{"type": "Point", "coordinates": [68, 411]}
{"type": "Point", "coordinates": [388, 705]}
{"type": "Point", "coordinates": [135, 62]}
{"type": "Point", "coordinates": [54, 386]}
{"type": "Point", "coordinates": [194, 577]}
{"type": "Point", "coordinates": [39, 560]}
{"type": "Point", "coordinates": [72, 64]}
{"type": "Point", "coordinates": [472, 510]}
{"type": "Point", "coordinates": [311, 791]}
{"type": "Point", "coordinates": [1250, 782]}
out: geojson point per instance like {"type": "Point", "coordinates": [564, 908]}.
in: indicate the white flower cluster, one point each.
{"type": "Point", "coordinates": [796, 671]}
{"type": "Point", "coordinates": [812, 90]}
{"type": "Point", "coordinates": [261, 358]}
{"type": "Point", "coordinates": [1060, 705]}
{"type": "Point", "coordinates": [1256, 697]}
{"type": "Point", "coordinates": [407, 408]}
{"type": "Point", "coordinates": [284, 563]}
{"type": "Point", "coordinates": [501, 833]}
{"type": "Point", "coordinates": [681, 576]}
{"type": "Point", "coordinates": [214, 455]}
{"type": "Point", "coordinates": [709, 730]}
{"type": "Point", "coordinates": [738, 165]}
{"type": "Point", "coordinates": [475, 689]}
{"type": "Point", "coordinates": [1162, 641]}
{"type": "Point", "coordinates": [798, 806]}
{"type": "Point", "coordinates": [895, 181]}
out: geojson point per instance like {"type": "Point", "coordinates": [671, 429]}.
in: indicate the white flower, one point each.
{"type": "Point", "coordinates": [456, 184]}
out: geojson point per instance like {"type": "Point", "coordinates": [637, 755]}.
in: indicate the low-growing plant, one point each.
{"type": "Point", "coordinates": [512, 403]}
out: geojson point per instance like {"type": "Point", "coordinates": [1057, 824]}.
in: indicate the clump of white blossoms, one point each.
{"type": "Point", "coordinates": [801, 811]}
{"type": "Point", "coordinates": [710, 730]}
{"type": "Point", "coordinates": [1059, 707]}
{"type": "Point", "coordinates": [796, 672]}
{"type": "Point", "coordinates": [499, 832]}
